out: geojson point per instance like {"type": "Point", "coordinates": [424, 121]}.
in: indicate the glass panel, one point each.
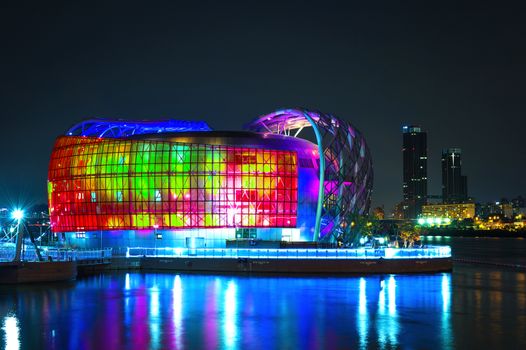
{"type": "Point", "coordinates": [101, 184]}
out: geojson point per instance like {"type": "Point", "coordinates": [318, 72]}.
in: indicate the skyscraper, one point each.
{"type": "Point", "coordinates": [454, 184]}
{"type": "Point", "coordinates": [414, 153]}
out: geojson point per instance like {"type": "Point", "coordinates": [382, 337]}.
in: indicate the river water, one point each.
{"type": "Point", "coordinates": [475, 306]}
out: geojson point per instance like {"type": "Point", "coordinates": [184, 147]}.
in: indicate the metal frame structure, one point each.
{"type": "Point", "coordinates": [125, 128]}
{"type": "Point", "coordinates": [122, 184]}
{"type": "Point", "coordinates": [345, 169]}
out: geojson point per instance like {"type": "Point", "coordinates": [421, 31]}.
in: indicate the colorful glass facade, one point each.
{"type": "Point", "coordinates": [128, 184]}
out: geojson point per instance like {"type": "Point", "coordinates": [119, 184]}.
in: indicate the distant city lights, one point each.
{"type": "Point", "coordinates": [433, 221]}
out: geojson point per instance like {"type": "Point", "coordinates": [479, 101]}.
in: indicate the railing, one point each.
{"type": "Point", "coordinates": [81, 256]}
{"type": "Point", "coordinates": [58, 254]}
{"type": "Point", "coordinates": [7, 254]}
{"type": "Point", "coordinates": [104, 255]}
{"type": "Point", "coordinates": [360, 253]}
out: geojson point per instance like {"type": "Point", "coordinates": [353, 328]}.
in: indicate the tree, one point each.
{"type": "Point", "coordinates": [379, 213]}
{"type": "Point", "coordinates": [356, 226]}
{"type": "Point", "coordinates": [409, 233]}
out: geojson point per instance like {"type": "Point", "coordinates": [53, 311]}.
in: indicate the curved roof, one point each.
{"type": "Point", "coordinates": [108, 128]}
{"type": "Point", "coordinates": [234, 138]}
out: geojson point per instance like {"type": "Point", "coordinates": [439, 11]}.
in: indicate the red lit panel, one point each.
{"type": "Point", "coordinates": [104, 184]}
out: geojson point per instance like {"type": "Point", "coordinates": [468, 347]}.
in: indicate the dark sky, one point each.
{"type": "Point", "coordinates": [460, 72]}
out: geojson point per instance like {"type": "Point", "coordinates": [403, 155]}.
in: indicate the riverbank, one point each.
{"type": "Point", "coordinates": [475, 233]}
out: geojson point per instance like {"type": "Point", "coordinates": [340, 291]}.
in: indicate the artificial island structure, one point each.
{"type": "Point", "coordinates": [178, 189]}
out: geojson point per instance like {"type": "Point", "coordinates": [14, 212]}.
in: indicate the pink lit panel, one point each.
{"type": "Point", "coordinates": [107, 184]}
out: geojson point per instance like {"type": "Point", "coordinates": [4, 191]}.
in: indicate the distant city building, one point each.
{"type": "Point", "coordinates": [504, 209]}
{"type": "Point", "coordinates": [518, 202]}
{"type": "Point", "coordinates": [520, 212]}
{"type": "Point", "coordinates": [519, 205]}
{"type": "Point", "coordinates": [485, 210]}
{"type": "Point", "coordinates": [398, 211]}
{"type": "Point", "coordinates": [454, 184]}
{"type": "Point", "coordinates": [507, 210]}
{"type": "Point", "coordinates": [454, 211]}
{"type": "Point", "coordinates": [414, 153]}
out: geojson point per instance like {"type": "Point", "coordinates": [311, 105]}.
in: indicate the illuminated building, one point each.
{"type": "Point", "coordinates": [121, 183]}
{"type": "Point", "coordinates": [507, 210]}
{"type": "Point", "coordinates": [414, 186]}
{"type": "Point", "coordinates": [456, 211]}
{"type": "Point", "coordinates": [454, 184]}
{"type": "Point", "coordinates": [504, 209]}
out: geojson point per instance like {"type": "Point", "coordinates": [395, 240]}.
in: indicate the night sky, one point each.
{"type": "Point", "coordinates": [459, 72]}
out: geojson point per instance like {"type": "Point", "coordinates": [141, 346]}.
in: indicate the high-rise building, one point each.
{"type": "Point", "coordinates": [454, 184]}
{"type": "Point", "coordinates": [414, 153]}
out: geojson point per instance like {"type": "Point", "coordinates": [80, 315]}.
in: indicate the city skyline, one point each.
{"type": "Point", "coordinates": [446, 70]}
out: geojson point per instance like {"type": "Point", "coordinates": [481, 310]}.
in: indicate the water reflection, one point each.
{"type": "Point", "coordinates": [362, 319]}
{"type": "Point", "coordinates": [447, 340]}
{"type": "Point", "coordinates": [177, 310]}
{"type": "Point", "coordinates": [230, 315]}
{"type": "Point", "coordinates": [387, 321]}
{"type": "Point", "coordinates": [11, 333]}
{"type": "Point", "coordinates": [154, 320]}
{"type": "Point", "coordinates": [160, 311]}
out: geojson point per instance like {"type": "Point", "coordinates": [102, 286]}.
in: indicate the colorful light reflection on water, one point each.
{"type": "Point", "coordinates": [159, 311]}
{"type": "Point", "coordinates": [176, 311]}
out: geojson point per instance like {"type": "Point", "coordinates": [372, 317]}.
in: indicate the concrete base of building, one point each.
{"type": "Point", "coordinates": [283, 266]}
{"type": "Point", "coordinates": [34, 272]}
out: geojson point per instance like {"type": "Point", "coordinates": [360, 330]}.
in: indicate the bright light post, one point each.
{"type": "Point", "coordinates": [18, 215]}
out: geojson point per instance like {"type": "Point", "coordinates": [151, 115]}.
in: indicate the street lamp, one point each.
{"type": "Point", "coordinates": [18, 215]}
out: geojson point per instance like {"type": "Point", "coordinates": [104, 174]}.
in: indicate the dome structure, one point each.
{"type": "Point", "coordinates": [345, 170]}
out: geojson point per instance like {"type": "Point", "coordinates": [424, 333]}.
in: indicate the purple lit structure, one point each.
{"type": "Point", "coordinates": [345, 171]}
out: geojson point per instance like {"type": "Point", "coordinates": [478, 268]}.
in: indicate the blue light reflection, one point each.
{"type": "Point", "coordinates": [154, 321]}
{"type": "Point", "coordinates": [167, 311]}
{"type": "Point", "coordinates": [362, 317]}
{"type": "Point", "coordinates": [446, 311]}
{"type": "Point", "coordinates": [230, 315]}
{"type": "Point", "coordinates": [177, 309]}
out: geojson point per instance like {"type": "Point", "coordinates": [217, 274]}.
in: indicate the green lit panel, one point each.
{"type": "Point", "coordinates": [105, 184]}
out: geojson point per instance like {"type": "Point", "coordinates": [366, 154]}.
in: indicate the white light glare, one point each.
{"type": "Point", "coordinates": [17, 214]}
{"type": "Point", "coordinates": [12, 333]}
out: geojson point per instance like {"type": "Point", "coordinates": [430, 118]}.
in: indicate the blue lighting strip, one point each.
{"type": "Point", "coordinates": [432, 252]}
{"type": "Point", "coordinates": [106, 128]}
